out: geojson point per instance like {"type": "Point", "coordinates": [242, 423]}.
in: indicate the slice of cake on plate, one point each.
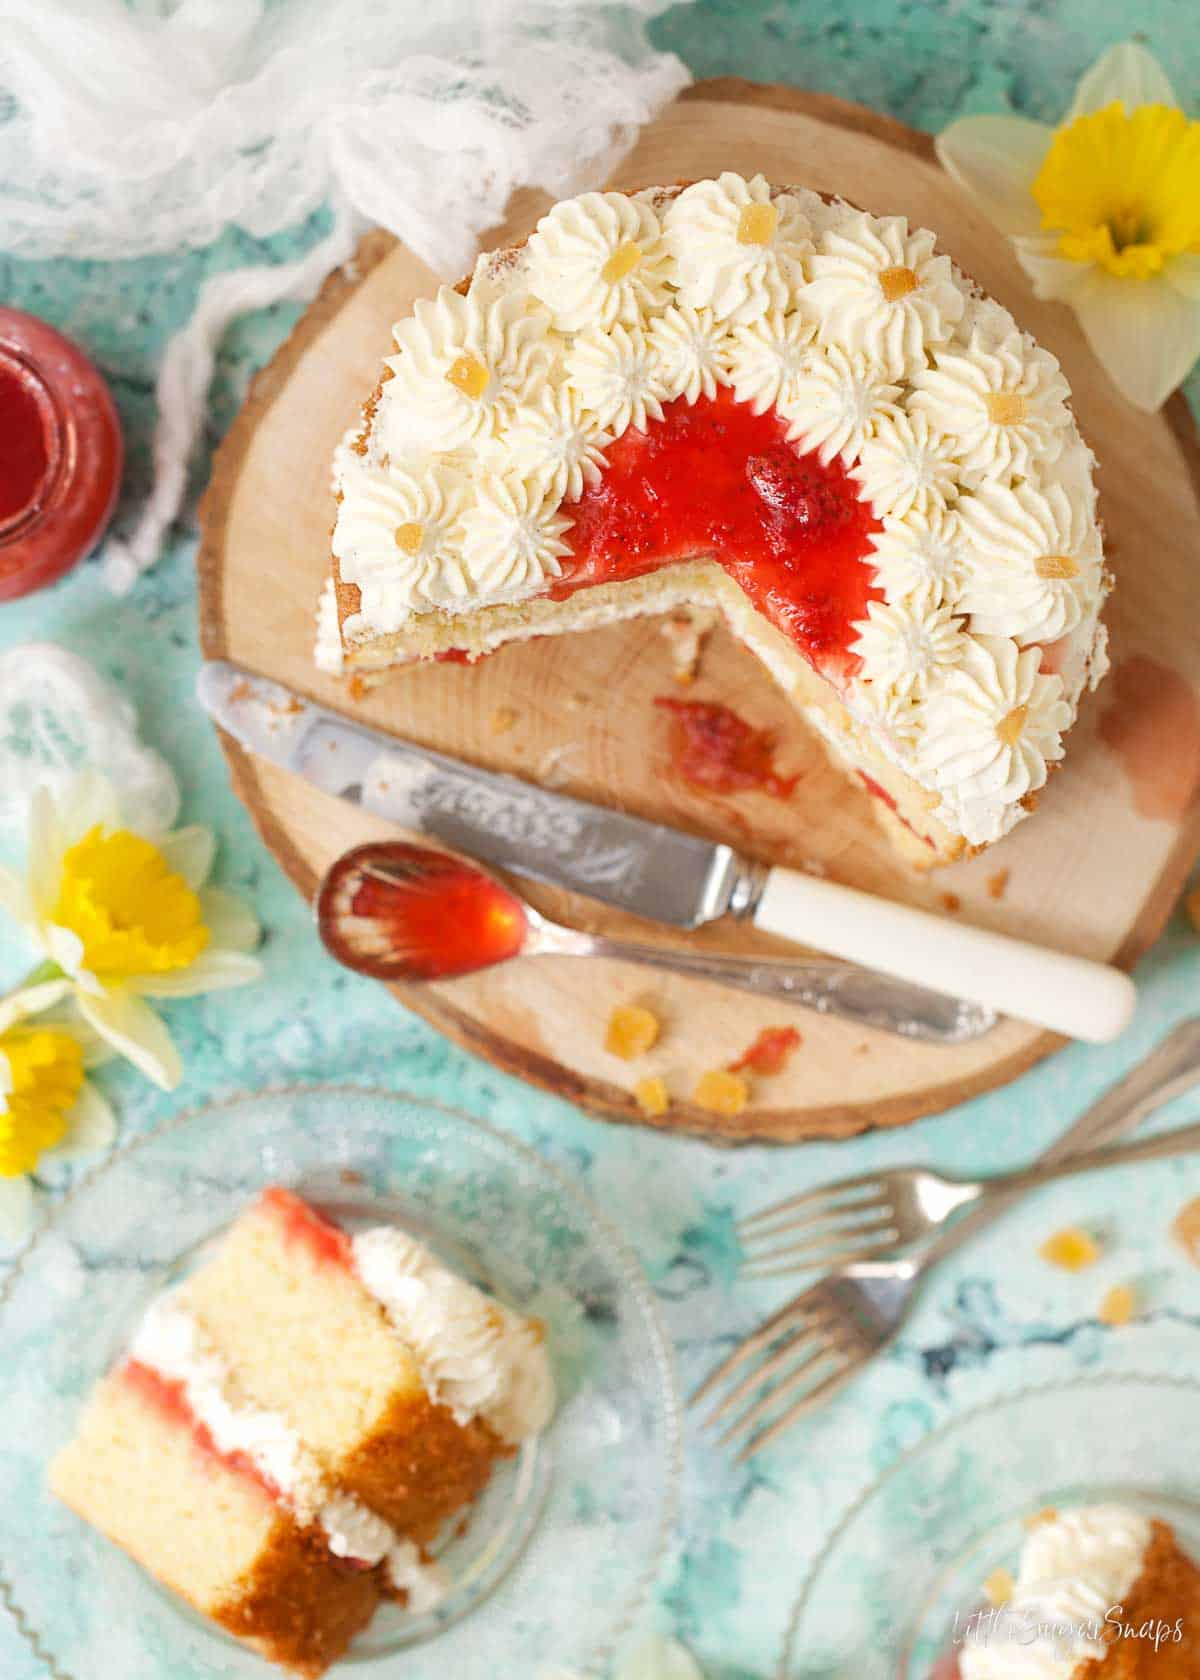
{"type": "Point", "coordinates": [293, 1425]}
{"type": "Point", "coordinates": [745, 397]}
{"type": "Point", "coordinates": [1101, 1593]}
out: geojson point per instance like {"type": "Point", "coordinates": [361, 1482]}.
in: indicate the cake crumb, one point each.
{"type": "Point", "coordinates": [357, 688]}
{"type": "Point", "coordinates": [721, 1092]}
{"type": "Point", "coordinates": [997, 884]}
{"type": "Point", "coordinates": [770, 1053]}
{"type": "Point", "coordinates": [1071, 1249]}
{"type": "Point", "coordinates": [632, 1030]}
{"type": "Point", "coordinates": [502, 720]}
{"type": "Point", "coordinates": [1118, 1307]}
{"type": "Point", "coordinates": [686, 633]}
{"type": "Point", "coordinates": [1039, 1519]}
{"type": "Point", "coordinates": [1185, 1228]}
{"type": "Point", "coordinates": [999, 1588]}
{"type": "Point", "coordinates": [651, 1097]}
{"type": "Point", "coordinates": [951, 902]}
{"type": "Point", "coordinates": [1192, 905]}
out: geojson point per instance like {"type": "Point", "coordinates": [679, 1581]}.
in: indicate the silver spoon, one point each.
{"type": "Point", "coordinates": [403, 912]}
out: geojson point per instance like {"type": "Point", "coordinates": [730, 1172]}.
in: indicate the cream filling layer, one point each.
{"type": "Point", "coordinates": [1074, 1570]}
{"type": "Point", "coordinates": [475, 1356]}
{"type": "Point", "coordinates": [172, 1343]}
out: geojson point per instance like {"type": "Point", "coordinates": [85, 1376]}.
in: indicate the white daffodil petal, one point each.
{"type": "Point", "coordinates": [996, 159]}
{"type": "Point", "coordinates": [45, 847]}
{"type": "Point", "coordinates": [230, 921]}
{"type": "Point", "coordinates": [89, 802]}
{"type": "Point", "coordinates": [1183, 273]}
{"type": "Point", "coordinates": [1145, 334]}
{"type": "Point", "coordinates": [190, 852]}
{"type": "Point", "coordinates": [1126, 72]}
{"type": "Point", "coordinates": [91, 1127]}
{"type": "Point", "coordinates": [136, 1032]}
{"type": "Point", "coordinates": [14, 900]}
{"type": "Point", "coordinates": [1053, 276]}
{"type": "Point", "coordinates": [212, 971]}
{"type": "Point", "coordinates": [32, 1001]}
{"type": "Point", "coordinates": [657, 1658]}
{"type": "Point", "coordinates": [65, 947]}
{"type": "Point", "coordinates": [16, 1212]}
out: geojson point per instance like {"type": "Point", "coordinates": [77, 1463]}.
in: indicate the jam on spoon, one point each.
{"type": "Point", "coordinates": [401, 912]}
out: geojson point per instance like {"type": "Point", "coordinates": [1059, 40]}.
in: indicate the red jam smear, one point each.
{"type": "Point", "coordinates": [714, 479]}
{"type": "Point", "coordinates": [169, 1398]}
{"type": "Point", "coordinates": [770, 1053]}
{"type": "Point", "coordinates": [324, 1240]}
{"type": "Point", "coordinates": [716, 751]}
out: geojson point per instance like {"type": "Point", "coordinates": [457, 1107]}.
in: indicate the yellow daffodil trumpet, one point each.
{"type": "Point", "coordinates": [1104, 212]}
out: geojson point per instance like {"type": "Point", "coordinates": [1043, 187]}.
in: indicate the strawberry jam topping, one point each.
{"type": "Point", "coordinates": [300, 1223]}
{"type": "Point", "coordinates": [715, 750]}
{"type": "Point", "coordinates": [169, 1398]}
{"type": "Point", "coordinates": [714, 479]}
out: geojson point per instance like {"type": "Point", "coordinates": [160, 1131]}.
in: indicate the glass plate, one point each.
{"type": "Point", "coordinates": [564, 1543]}
{"type": "Point", "coordinates": [913, 1552]}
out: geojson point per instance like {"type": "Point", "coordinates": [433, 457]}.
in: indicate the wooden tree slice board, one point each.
{"type": "Point", "coordinates": [1095, 871]}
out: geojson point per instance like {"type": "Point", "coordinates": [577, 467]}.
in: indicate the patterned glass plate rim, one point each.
{"type": "Point", "coordinates": [968, 1563]}
{"type": "Point", "coordinates": [601, 1255]}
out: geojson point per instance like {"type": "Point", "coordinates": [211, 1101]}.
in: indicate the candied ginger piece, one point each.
{"type": "Point", "coordinates": [1185, 1228]}
{"type": "Point", "coordinates": [651, 1097]}
{"type": "Point", "coordinates": [632, 1030]}
{"type": "Point", "coordinates": [721, 1092]}
{"type": "Point", "coordinates": [1072, 1249]}
{"type": "Point", "coordinates": [1118, 1307]}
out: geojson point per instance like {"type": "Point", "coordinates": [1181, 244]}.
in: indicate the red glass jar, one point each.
{"type": "Point", "coordinates": [60, 454]}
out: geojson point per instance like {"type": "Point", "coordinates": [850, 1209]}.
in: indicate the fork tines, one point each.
{"type": "Point", "coordinates": [807, 1351]}
{"type": "Point", "coordinates": [850, 1221]}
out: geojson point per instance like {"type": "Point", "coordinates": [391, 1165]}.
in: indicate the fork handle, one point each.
{"type": "Point", "coordinates": [1182, 1141]}
{"type": "Point", "coordinates": [1170, 1069]}
{"type": "Point", "coordinates": [1070, 995]}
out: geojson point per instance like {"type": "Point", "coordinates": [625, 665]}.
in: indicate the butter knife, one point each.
{"type": "Point", "coordinates": [954, 977]}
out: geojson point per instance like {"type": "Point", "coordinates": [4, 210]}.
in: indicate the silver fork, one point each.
{"type": "Point", "coordinates": [815, 1344]}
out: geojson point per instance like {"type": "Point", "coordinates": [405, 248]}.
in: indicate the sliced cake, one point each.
{"type": "Point", "coordinates": [1101, 1593]}
{"type": "Point", "coordinates": [745, 397]}
{"type": "Point", "coordinates": [293, 1425]}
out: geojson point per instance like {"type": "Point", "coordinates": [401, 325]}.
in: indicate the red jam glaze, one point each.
{"type": "Point", "coordinates": [26, 431]}
{"type": "Point", "coordinates": [715, 750]}
{"type": "Point", "coordinates": [170, 1399]}
{"type": "Point", "coordinates": [324, 1240]}
{"type": "Point", "coordinates": [712, 478]}
{"type": "Point", "coordinates": [770, 1053]}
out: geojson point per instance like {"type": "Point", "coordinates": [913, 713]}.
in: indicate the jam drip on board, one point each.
{"type": "Point", "coordinates": [716, 751]}
{"type": "Point", "coordinates": [713, 479]}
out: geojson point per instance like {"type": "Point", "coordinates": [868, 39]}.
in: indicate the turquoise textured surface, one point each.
{"type": "Point", "coordinates": [994, 1319]}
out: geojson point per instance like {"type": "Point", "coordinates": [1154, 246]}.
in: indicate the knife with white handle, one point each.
{"type": "Point", "coordinates": [658, 872]}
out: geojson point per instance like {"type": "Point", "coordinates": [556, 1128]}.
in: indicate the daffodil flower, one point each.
{"type": "Point", "coordinates": [120, 917]}
{"type": "Point", "coordinates": [49, 1110]}
{"type": "Point", "coordinates": [1104, 212]}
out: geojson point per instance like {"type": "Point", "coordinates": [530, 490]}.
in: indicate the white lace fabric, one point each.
{"type": "Point", "coordinates": [129, 127]}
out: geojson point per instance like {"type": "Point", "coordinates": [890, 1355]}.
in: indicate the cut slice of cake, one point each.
{"type": "Point", "coordinates": [294, 1424]}
{"type": "Point", "coordinates": [753, 399]}
{"type": "Point", "coordinates": [1101, 1593]}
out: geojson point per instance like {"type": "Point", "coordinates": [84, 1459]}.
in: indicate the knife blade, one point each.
{"type": "Point", "coordinates": [644, 867]}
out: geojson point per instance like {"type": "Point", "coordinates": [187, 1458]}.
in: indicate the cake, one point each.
{"type": "Point", "coordinates": [738, 396]}
{"type": "Point", "coordinates": [292, 1426]}
{"type": "Point", "coordinates": [1102, 1593]}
